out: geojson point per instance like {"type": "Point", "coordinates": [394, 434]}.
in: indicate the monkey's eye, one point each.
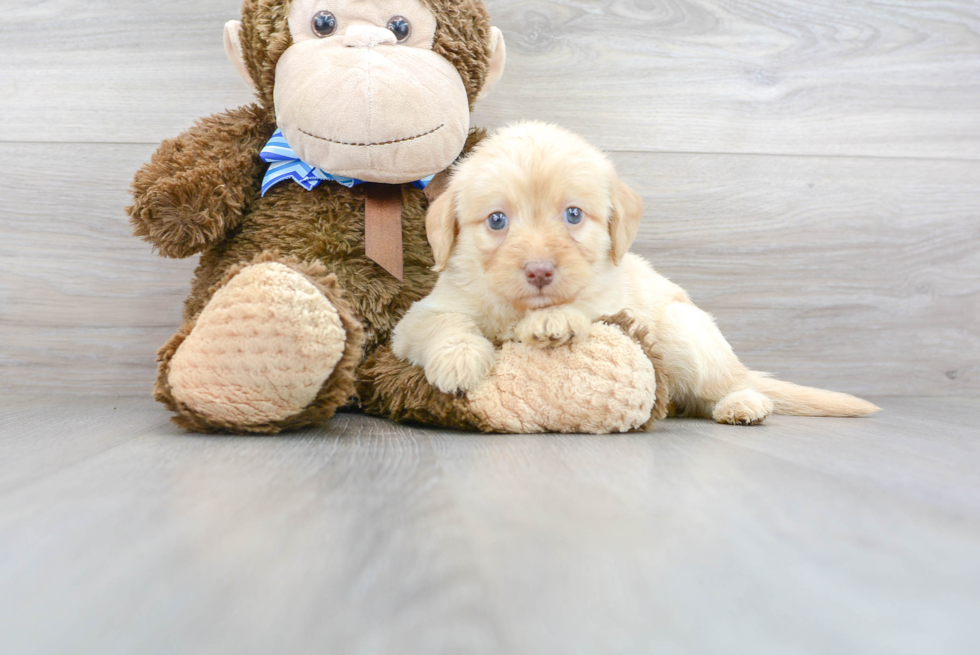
{"type": "Point", "coordinates": [401, 28]}
{"type": "Point", "coordinates": [498, 221]}
{"type": "Point", "coordinates": [324, 24]}
{"type": "Point", "coordinates": [574, 215]}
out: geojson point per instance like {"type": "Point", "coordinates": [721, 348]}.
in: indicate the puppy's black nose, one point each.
{"type": "Point", "coordinates": [540, 274]}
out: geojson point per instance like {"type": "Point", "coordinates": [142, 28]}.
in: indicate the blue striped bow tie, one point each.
{"type": "Point", "coordinates": [284, 164]}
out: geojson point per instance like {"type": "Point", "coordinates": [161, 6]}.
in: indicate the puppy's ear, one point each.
{"type": "Point", "coordinates": [627, 210]}
{"type": "Point", "coordinates": [441, 228]}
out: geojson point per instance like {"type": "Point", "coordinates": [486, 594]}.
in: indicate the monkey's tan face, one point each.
{"type": "Point", "coordinates": [360, 93]}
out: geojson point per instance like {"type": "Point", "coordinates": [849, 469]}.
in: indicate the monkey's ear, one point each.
{"type": "Point", "coordinates": [627, 210]}
{"type": "Point", "coordinates": [497, 62]}
{"type": "Point", "coordinates": [233, 48]}
{"type": "Point", "coordinates": [441, 228]}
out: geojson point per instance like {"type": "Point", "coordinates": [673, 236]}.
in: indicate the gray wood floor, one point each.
{"type": "Point", "coordinates": [120, 534]}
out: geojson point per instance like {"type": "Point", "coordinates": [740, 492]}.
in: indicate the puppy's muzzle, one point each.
{"type": "Point", "coordinates": [539, 273]}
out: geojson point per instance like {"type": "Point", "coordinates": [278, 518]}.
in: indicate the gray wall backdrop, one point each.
{"type": "Point", "coordinates": [811, 172]}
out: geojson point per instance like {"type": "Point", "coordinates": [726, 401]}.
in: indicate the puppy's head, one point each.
{"type": "Point", "coordinates": [535, 213]}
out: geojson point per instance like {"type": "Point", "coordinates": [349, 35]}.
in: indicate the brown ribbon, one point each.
{"type": "Point", "coordinates": [383, 227]}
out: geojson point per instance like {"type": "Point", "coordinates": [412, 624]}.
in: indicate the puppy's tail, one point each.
{"type": "Point", "coordinates": [794, 400]}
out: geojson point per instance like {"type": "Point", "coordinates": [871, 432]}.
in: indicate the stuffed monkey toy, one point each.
{"type": "Point", "coordinates": [308, 211]}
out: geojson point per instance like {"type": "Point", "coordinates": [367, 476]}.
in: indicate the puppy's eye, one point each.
{"type": "Point", "coordinates": [324, 24]}
{"type": "Point", "coordinates": [401, 28]}
{"type": "Point", "coordinates": [574, 215]}
{"type": "Point", "coordinates": [498, 221]}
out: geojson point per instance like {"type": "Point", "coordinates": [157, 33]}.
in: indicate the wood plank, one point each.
{"type": "Point", "coordinates": [180, 543]}
{"type": "Point", "coordinates": [803, 535]}
{"type": "Point", "coordinates": [846, 273]}
{"type": "Point", "coordinates": [84, 361]}
{"type": "Point", "coordinates": [922, 449]}
{"type": "Point", "coordinates": [68, 255]}
{"type": "Point", "coordinates": [685, 541]}
{"type": "Point", "coordinates": [854, 274]}
{"type": "Point", "coordinates": [784, 77]}
{"type": "Point", "coordinates": [84, 305]}
{"type": "Point", "coordinates": [118, 71]}
{"type": "Point", "coordinates": [73, 431]}
{"type": "Point", "coordinates": [838, 77]}
{"type": "Point", "coordinates": [732, 552]}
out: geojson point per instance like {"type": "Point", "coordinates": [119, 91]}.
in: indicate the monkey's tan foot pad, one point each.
{"type": "Point", "coordinates": [260, 350]}
{"type": "Point", "coordinates": [606, 384]}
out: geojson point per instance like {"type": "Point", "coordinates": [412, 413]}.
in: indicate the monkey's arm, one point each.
{"type": "Point", "coordinates": [197, 185]}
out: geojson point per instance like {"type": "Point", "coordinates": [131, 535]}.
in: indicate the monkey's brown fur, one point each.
{"type": "Point", "coordinates": [200, 194]}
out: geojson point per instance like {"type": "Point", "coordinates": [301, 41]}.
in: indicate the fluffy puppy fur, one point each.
{"type": "Point", "coordinates": [532, 238]}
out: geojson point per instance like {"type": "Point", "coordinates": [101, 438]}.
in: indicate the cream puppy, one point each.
{"type": "Point", "coordinates": [531, 238]}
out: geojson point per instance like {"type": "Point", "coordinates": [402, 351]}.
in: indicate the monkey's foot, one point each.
{"type": "Point", "coordinates": [605, 384]}
{"type": "Point", "coordinates": [260, 354]}
{"type": "Point", "coordinates": [611, 382]}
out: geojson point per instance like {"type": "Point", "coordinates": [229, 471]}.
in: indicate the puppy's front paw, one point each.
{"type": "Point", "coordinates": [460, 365]}
{"type": "Point", "coordinates": [553, 326]}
